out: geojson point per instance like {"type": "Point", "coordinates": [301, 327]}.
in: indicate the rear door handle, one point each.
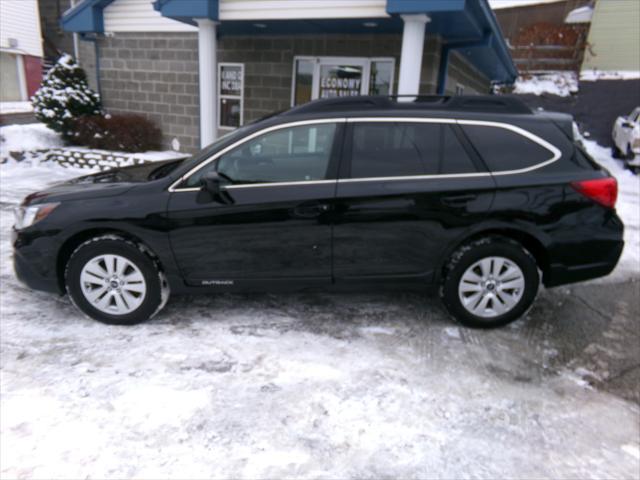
{"type": "Point", "coordinates": [458, 200]}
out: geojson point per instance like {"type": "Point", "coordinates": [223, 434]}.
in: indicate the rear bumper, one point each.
{"type": "Point", "coordinates": [559, 274]}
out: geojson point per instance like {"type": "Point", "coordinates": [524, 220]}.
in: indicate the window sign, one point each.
{"type": "Point", "coordinates": [230, 95]}
{"type": "Point", "coordinates": [328, 77]}
{"type": "Point", "coordinates": [340, 81]}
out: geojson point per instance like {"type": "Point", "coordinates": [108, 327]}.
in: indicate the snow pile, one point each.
{"type": "Point", "coordinates": [627, 206]}
{"type": "Point", "coordinates": [15, 107]}
{"type": "Point", "coordinates": [22, 138]}
{"type": "Point", "coordinates": [562, 84]}
{"type": "Point", "coordinates": [77, 157]}
{"type": "Point", "coordinates": [595, 75]}
{"type": "Point", "coordinates": [38, 143]}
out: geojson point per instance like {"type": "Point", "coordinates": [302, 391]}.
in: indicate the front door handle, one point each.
{"type": "Point", "coordinates": [312, 210]}
{"type": "Point", "coordinates": [458, 200]}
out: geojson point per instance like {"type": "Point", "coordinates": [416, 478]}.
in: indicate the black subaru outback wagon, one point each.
{"type": "Point", "coordinates": [477, 196]}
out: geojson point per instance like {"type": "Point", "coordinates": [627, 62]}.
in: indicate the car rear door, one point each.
{"type": "Point", "coordinates": [272, 221]}
{"type": "Point", "coordinates": [408, 188]}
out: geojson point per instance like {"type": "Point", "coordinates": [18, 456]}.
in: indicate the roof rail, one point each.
{"type": "Point", "coordinates": [342, 103]}
{"type": "Point", "coordinates": [467, 103]}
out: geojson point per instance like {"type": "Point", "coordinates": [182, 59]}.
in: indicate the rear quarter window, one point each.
{"type": "Point", "coordinates": [504, 150]}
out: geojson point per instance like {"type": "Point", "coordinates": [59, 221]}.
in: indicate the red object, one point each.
{"type": "Point", "coordinates": [32, 73]}
{"type": "Point", "coordinates": [602, 190]}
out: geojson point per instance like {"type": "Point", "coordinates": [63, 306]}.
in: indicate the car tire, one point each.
{"type": "Point", "coordinates": [115, 281]}
{"type": "Point", "coordinates": [489, 282]}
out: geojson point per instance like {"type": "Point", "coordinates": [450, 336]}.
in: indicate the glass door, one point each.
{"type": "Point", "coordinates": [329, 77]}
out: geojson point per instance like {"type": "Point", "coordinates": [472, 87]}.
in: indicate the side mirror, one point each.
{"type": "Point", "coordinates": [210, 182]}
{"type": "Point", "coordinates": [211, 188]}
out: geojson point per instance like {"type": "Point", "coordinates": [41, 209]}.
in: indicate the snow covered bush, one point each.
{"type": "Point", "coordinates": [128, 133]}
{"type": "Point", "coordinates": [64, 96]}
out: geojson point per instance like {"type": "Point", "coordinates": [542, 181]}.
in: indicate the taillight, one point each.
{"type": "Point", "coordinates": [602, 190]}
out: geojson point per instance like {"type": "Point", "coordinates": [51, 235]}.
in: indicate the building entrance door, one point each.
{"type": "Point", "coordinates": [329, 77]}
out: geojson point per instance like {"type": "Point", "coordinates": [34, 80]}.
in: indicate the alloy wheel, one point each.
{"type": "Point", "coordinates": [491, 287]}
{"type": "Point", "coordinates": [113, 284]}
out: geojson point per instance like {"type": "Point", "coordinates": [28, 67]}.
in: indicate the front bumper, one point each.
{"type": "Point", "coordinates": [28, 275]}
{"type": "Point", "coordinates": [34, 263]}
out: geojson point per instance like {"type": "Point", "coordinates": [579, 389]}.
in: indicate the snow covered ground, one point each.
{"type": "Point", "coordinates": [595, 75]}
{"type": "Point", "coordinates": [21, 138]}
{"type": "Point", "coordinates": [15, 107]}
{"type": "Point", "coordinates": [305, 386]}
{"type": "Point", "coordinates": [562, 84]}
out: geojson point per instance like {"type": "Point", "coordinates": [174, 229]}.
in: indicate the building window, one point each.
{"type": "Point", "coordinates": [231, 95]}
{"type": "Point", "coordinates": [381, 77]}
{"type": "Point", "coordinates": [12, 78]}
{"type": "Point", "coordinates": [327, 77]}
{"type": "Point", "coordinates": [303, 85]}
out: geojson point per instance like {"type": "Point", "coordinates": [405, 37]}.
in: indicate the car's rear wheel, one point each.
{"type": "Point", "coordinates": [114, 281]}
{"type": "Point", "coordinates": [490, 282]}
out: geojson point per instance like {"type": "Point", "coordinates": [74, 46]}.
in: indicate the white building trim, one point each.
{"type": "Point", "coordinates": [139, 16]}
{"type": "Point", "coordinates": [20, 27]}
{"type": "Point", "coordinates": [208, 69]}
{"type": "Point", "coordinates": [411, 56]}
{"type": "Point", "coordinates": [300, 9]}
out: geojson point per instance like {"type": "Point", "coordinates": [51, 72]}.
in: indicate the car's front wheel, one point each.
{"type": "Point", "coordinates": [114, 281]}
{"type": "Point", "coordinates": [490, 282]}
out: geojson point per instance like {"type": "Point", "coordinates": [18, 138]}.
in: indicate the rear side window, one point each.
{"type": "Point", "coordinates": [406, 149]}
{"type": "Point", "coordinates": [503, 149]}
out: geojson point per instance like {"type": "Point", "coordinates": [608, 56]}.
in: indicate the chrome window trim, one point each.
{"type": "Point", "coordinates": [172, 187]}
{"type": "Point", "coordinates": [556, 153]}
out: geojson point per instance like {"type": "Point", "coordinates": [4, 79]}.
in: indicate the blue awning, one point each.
{"type": "Point", "coordinates": [467, 26]}
{"type": "Point", "coordinates": [85, 17]}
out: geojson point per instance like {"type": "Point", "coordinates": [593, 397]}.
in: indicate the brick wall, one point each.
{"type": "Point", "coordinates": [156, 74]}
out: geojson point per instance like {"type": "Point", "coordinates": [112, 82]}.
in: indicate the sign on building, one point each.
{"type": "Point", "coordinates": [231, 95]}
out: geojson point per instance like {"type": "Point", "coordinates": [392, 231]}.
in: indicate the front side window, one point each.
{"type": "Point", "coordinates": [286, 155]}
{"type": "Point", "coordinates": [383, 149]}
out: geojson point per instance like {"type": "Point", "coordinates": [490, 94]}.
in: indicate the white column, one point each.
{"type": "Point", "coordinates": [411, 57]}
{"type": "Point", "coordinates": [208, 69]}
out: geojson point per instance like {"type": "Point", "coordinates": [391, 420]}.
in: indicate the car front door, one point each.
{"type": "Point", "coordinates": [271, 220]}
{"type": "Point", "coordinates": [407, 190]}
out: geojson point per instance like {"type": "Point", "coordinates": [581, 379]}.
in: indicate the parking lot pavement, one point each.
{"type": "Point", "coordinates": [323, 386]}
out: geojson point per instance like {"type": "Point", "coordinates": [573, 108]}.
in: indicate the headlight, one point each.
{"type": "Point", "coordinates": [27, 216]}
